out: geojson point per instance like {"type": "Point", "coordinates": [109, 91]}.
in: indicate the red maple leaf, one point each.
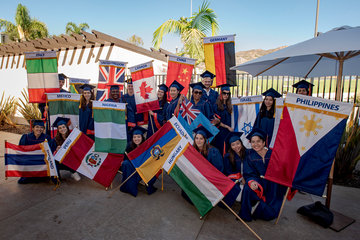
{"type": "Point", "coordinates": [144, 90]}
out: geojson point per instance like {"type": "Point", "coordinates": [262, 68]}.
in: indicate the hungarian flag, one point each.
{"type": "Point", "coordinates": [42, 75]}
{"type": "Point", "coordinates": [110, 127]}
{"type": "Point", "coordinates": [77, 152]}
{"type": "Point", "coordinates": [64, 105]}
{"type": "Point", "coordinates": [219, 57]}
{"type": "Point", "coordinates": [180, 69]}
{"type": "Point", "coordinates": [150, 156]}
{"type": "Point", "coordinates": [76, 83]}
{"type": "Point", "coordinates": [245, 110]}
{"type": "Point", "coordinates": [145, 87]}
{"type": "Point", "coordinates": [306, 142]}
{"type": "Point", "coordinates": [29, 161]}
{"type": "Point", "coordinates": [110, 73]}
{"type": "Point", "coordinates": [201, 181]}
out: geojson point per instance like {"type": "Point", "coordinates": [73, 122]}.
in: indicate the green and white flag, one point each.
{"type": "Point", "coordinates": [64, 105]}
{"type": "Point", "coordinates": [110, 127]}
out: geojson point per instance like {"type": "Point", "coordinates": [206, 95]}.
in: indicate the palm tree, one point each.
{"type": "Point", "coordinates": [73, 28]}
{"type": "Point", "coordinates": [191, 31]}
{"type": "Point", "coordinates": [136, 40]}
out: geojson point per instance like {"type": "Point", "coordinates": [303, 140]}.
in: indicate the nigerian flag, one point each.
{"type": "Point", "coordinates": [110, 127]}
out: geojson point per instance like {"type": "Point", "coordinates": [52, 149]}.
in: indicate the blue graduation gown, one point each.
{"type": "Point", "coordinates": [266, 124]}
{"type": "Point", "coordinates": [157, 121]}
{"type": "Point", "coordinates": [211, 98]}
{"type": "Point", "coordinates": [171, 108]}
{"type": "Point", "coordinates": [225, 118]}
{"type": "Point", "coordinates": [215, 158]}
{"type": "Point", "coordinates": [30, 139]}
{"type": "Point", "coordinates": [132, 115]}
{"type": "Point", "coordinates": [229, 169]}
{"type": "Point", "coordinates": [254, 167]}
{"type": "Point", "coordinates": [204, 108]}
{"type": "Point", "coordinates": [86, 121]}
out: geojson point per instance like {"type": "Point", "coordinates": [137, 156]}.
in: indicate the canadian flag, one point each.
{"type": "Point", "coordinates": [144, 87]}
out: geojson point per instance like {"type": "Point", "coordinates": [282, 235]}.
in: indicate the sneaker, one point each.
{"type": "Point", "coordinates": [76, 176]}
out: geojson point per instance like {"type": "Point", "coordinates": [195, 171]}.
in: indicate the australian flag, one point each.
{"type": "Point", "coordinates": [110, 73]}
{"type": "Point", "coordinates": [188, 112]}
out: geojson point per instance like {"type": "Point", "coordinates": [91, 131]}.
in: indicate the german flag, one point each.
{"type": "Point", "coordinates": [219, 57]}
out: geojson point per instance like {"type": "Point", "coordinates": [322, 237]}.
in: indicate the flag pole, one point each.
{"type": "Point", "coordinates": [118, 187]}
{"type": "Point", "coordinates": [237, 216]}
{"type": "Point", "coordinates": [151, 123]}
{"type": "Point", "coordinates": [282, 205]}
{"type": "Point", "coordinates": [4, 161]}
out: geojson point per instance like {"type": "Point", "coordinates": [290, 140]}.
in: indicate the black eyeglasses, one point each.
{"type": "Point", "coordinates": [226, 93]}
{"type": "Point", "coordinates": [197, 92]}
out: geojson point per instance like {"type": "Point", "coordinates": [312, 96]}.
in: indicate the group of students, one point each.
{"type": "Point", "coordinates": [260, 199]}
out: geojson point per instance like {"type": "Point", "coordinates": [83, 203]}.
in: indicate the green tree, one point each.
{"type": "Point", "coordinates": [136, 40]}
{"type": "Point", "coordinates": [71, 27]}
{"type": "Point", "coordinates": [191, 31]}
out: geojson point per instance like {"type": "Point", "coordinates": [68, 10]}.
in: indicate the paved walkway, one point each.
{"type": "Point", "coordinates": [82, 210]}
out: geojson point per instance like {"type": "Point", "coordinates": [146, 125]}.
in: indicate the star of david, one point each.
{"type": "Point", "coordinates": [247, 128]}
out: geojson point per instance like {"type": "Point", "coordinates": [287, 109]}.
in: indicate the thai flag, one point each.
{"type": "Point", "coordinates": [29, 161]}
{"type": "Point", "coordinates": [188, 112]}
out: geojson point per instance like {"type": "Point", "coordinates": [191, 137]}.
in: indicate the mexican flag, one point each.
{"type": "Point", "coordinates": [42, 75]}
{"type": "Point", "coordinates": [77, 152]}
{"type": "Point", "coordinates": [201, 181]}
{"type": "Point", "coordinates": [110, 127]}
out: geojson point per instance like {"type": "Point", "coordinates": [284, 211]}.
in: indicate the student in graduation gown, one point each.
{"type": "Point", "coordinates": [261, 199]}
{"type": "Point", "coordinates": [131, 185]}
{"type": "Point", "coordinates": [63, 132]}
{"type": "Point", "coordinates": [222, 119]}
{"type": "Point", "coordinates": [303, 87]}
{"type": "Point", "coordinates": [36, 136]}
{"type": "Point", "coordinates": [198, 103]}
{"type": "Point", "coordinates": [265, 119]}
{"type": "Point", "coordinates": [157, 117]}
{"type": "Point", "coordinates": [86, 119]}
{"type": "Point", "coordinates": [176, 99]}
{"type": "Point", "coordinates": [209, 94]}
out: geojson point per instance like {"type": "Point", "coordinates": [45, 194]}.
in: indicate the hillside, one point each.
{"type": "Point", "coordinates": [244, 56]}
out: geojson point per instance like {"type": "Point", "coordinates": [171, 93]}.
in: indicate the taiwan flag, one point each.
{"type": "Point", "coordinates": [180, 69]}
{"type": "Point", "coordinates": [145, 88]}
{"type": "Point", "coordinates": [306, 143]}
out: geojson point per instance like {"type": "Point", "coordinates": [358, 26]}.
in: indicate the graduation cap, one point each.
{"type": "Point", "coordinates": [114, 87]}
{"type": "Point", "coordinates": [303, 84]}
{"type": "Point", "coordinates": [37, 122]}
{"type": "Point", "coordinates": [256, 132]}
{"type": "Point", "coordinates": [208, 74]}
{"type": "Point", "coordinates": [225, 87]}
{"type": "Point", "coordinates": [60, 121]}
{"type": "Point", "coordinates": [87, 87]}
{"type": "Point", "coordinates": [198, 86]}
{"type": "Point", "coordinates": [272, 92]}
{"type": "Point", "coordinates": [203, 131]}
{"type": "Point", "coordinates": [138, 131]}
{"type": "Point", "coordinates": [233, 137]}
{"type": "Point", "coordinates": [163, 87]}
{"type": "Point", "coordinates": [128, 81]}
{"type": "Point", "coordinates": [177, 85]}
{"type": "Point", "coordinates": [62, 76]}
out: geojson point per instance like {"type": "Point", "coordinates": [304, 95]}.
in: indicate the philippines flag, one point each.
{"type": "Point", "coordinates": [188, 112]}
{"type": "Point", "coordinates": [306, 142]}
{"type": "Point", "coordinates": [110, 73]}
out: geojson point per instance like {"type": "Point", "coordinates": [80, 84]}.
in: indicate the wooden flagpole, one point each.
{"type": "Point", "coordinates": [237, 216]}
{"type": "Point", "coordinates": [4, 161]}
{"type": "Point", "coordinates": [151, 123]}
{"type": "Point", "coordinates": [282, 205]}
{"type": "Point", "coordinates": [118, 187]}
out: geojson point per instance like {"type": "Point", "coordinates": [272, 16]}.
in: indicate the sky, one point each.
{"type": "Point", "coordinates": [258, 24]}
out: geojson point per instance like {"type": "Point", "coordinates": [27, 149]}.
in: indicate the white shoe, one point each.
{"type": "Point", "coordinates": [76, 176]}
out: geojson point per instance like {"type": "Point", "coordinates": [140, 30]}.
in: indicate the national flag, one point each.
{"type": "Point", "coordinates": [64, 105]}
{"type": "Point", "coordinates": [150, 156]}
{"type": "Point", "coordinates": [279, 106]}
{"type": "Point", "coordinates": [145, 87]}
{"type": "Point", "coordinates": [77, 152]}
{"type": "Point", "coordinates": [306, 142]}
{"type": "Point", "coordinates": [110, 127]}
{"type": "Point", "coordinates": [110, 73]}
{"type": "Point", "coordinates": [76, 83]}
{"type": "Point", "coordinates": [201, 181]}
{"type": "Point", "coordinates": [42, 75]}
{"type": "Point", "coordinates": [180, 69]}
{"type": "Point", "coordinates": [245, 110]}
{"type": "Point", "coordinates": [219, 57]}
{"type": "Point", "coordinates": [188, 112]}
{"type": "Point", "coordinates": [29, 161]}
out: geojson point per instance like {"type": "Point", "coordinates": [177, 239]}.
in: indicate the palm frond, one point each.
{"type": "Point", "coordinates": [7, 109]}
{"type": "Point", "coordinates": [170, 26]}
{"type": "Point", "coordinates": [38, 29]}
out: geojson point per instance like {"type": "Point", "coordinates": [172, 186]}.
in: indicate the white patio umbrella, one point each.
{"type": "Point", "coordinates": [334, 53]}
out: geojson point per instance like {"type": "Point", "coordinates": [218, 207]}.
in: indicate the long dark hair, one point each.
{"type": "Point", "coordinates": [232, 155]}
{"type": "Point", "coordinates": [220, 104]}
{"type": "Point", "coordinates": [59, 138]}
{"type": "Point", "coordinates": [163, 100]}
{"type": "Point", "coordinates": [132, 145]}
{"type": "Point", "coordinates": [205, 150]}
{"type": "Point", "coordinates": [264, 112]}
{"type": "Point", "coordinates": [83, 101]}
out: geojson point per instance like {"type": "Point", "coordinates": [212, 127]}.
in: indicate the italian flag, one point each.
{"type": "Point", "coordinates": [64, 105]}
{"type": "Point", "coordinates": [42, 75]}
{"type": "Point", "coordinates": [77, 152]}
{"type": "Point", "coordinates": [110, 127]}
{"type": "Point", "coordinates": [201, 181]}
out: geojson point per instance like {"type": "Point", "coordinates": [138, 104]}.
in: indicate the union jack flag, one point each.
{"type": "Point", "coordinates": [188, 112]}
{"type": "Point", "coordinates": [110, 73]}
